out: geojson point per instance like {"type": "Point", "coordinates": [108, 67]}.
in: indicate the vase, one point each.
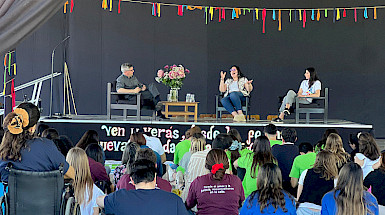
{"type": "Point", "coordinates": [173, 95]}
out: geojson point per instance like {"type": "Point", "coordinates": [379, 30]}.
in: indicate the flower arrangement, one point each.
{"type": "Point", "coordinates": [172, 76]}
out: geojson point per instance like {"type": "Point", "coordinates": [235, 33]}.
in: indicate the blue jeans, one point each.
{"type": "Point", "coordinates": [233, 101]}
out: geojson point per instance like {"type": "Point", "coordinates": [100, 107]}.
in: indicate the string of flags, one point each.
{"type": "Point", "coordinates": [70, 5]}
{"type": "Point", "coordinates": [296, 14]}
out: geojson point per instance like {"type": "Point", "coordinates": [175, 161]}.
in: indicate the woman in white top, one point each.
{"type": "Point", "coordinates": [310, 87]}
{"type": "Point", "coordinates": [86, 192]}
{"type": "Point", "coordinates": [235, 89]}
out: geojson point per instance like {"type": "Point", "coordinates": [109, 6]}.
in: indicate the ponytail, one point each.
{"type": "Point", "coordinates": [217, 162]}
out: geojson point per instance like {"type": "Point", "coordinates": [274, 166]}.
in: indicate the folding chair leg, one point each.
{"type": "Point", "coordinates": [307, 118]}
{"type": "Point", "coordinates": [125, 113]}
{"type": "Point", "coordinates": [296, 117]}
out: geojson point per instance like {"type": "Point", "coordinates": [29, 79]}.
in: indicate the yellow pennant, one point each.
{"type": "Point", "coordinates": [110, 5]}
{"type": "Point", "coordinates": [300, 14]}
{"type": "Point", "coordinates": [375, 13]}
{"type": "Point", "coordinates": [211, 13]}
{"type": "Point", "coordinates": [158, 4]}
{"type": "Point", "coordinates": [256, 13]}
{"type": "Point", "coordinates": [338, 14]}
{"type": "Point", "coordinates": [65, 7]}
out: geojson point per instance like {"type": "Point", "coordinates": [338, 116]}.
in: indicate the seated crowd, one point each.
{"type": "Point", "coordinates": [225, 177]}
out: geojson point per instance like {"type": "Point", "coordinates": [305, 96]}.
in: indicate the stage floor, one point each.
{"type": "Point", "coordinates": [335, 123]}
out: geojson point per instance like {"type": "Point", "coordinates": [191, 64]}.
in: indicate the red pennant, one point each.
{"type": "Point", "coordinates": [180, 10]}
{"type": "Point", "coordinates": [119, 6]}
{"type": "Point", "coordinates": [72, 6]}
{"type": "Point", "coordinates": [13, 94]}
{"type": "Point", "coordinates": [220, 15]}
{"type": "Point", "coordinates": [223, 14]}
{"type": "Point", "coordinates": [264, 19]}
{"type": "Point", "coordinates": [344, 14]}
{"type": "Point", "coordinates": [304, 19]}
{"type": "Point", "coordinates": [355, 14]}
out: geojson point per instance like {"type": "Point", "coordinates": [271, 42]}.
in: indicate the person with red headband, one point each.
{"type": "Point", "coordinates": [216, 192]}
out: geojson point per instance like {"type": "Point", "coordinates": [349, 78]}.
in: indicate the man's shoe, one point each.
{"type": "Point", "coordinates": [277, 120]}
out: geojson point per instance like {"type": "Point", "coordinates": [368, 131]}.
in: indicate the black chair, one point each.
{"type": "Point", "coordinates": [219, 107]}
{"type": "Point", "coordinates": [116, 101]}
{"type": "Point", "coordinates": [319, 105]}
{"type": "Point", "coordinates": [31, 193]}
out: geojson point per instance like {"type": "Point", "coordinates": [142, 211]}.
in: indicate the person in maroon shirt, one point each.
{"type": "Point", "coordinates": [216, 192]}
{"type": "Point", "coordinates": [144, 154]}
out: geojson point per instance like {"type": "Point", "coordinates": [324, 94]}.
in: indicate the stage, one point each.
{"type": "Point", "coordinates": [114, 133]}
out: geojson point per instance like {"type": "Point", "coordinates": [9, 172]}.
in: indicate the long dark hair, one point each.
{"type": "Point", "coordinates": [217, 156]}
{"type": "Point", "coordinates": [368, 146]}
{"type": "Point", "coordinates": [16, 130]}
{"type": "Point", "coordinates": [90, 136]}
{"type": "Point", "coordinates": [325, 164]}
{"type": "Point", "coordinates": [313, 76]}
{"type": "Point", "coordinates": [261, 154]}
{"type": "Point", "coordinates": [325, 136]}
{"type": "Point", "coordinates": [270, 191]}
{"type": "Point", "coordinates": [234, 134]}
{"type": "Point", "coordinates": [240, 74]}
{"type": "Point", "coordinates": [350, 199]}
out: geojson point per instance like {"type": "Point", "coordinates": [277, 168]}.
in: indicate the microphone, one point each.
{"type": "Point", "coordinates": [52, 57]}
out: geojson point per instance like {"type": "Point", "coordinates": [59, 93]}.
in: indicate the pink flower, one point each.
{"type": "Point", "coordinates": [187, 71]}
{"type": "Point", "coordinates": [166, 67]}
{"type": "Point", "coordinates": [172, 75]}
{"type": "Point", "coordinates": [160, 73]}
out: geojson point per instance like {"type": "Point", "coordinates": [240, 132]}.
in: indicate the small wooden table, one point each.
{"type": "Point", "coordinates": [184, 113]}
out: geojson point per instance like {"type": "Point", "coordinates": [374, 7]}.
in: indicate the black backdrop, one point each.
{"type": "Point", "coordinates": [348, 56]}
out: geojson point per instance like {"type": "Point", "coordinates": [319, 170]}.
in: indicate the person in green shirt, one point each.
{"type": "Point", "coordinates": [270, 131]}
{"type": "Point", "coordinates": [304, 161]}
{"type": "Point", "coordinates": [260, 155]}
{"type": "Point", "coordinates": [184, 146]}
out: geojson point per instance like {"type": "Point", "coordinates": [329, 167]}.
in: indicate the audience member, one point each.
{"type": "Point", "coordinates": [128, 158]}
{"type": "Point", "coordinates": [62, 146]}
{"type": "Point", "coordinates": [146, 154]}
{"type": "Point", "coordinates": [24, 151]}
{"type": "Point", "coordinates": [270, 132]}
{"type": "Point", "coordinates": [196, 165]}
{"type": "Point", "coordinates": [303, 161]}
{"type": "Point", "coordinates": [90, 136]}
{"type": "Point", "coordinates": [233, 152]}
{"type": "Point", "coordinates": [314, 183]}
{"type": "Point", "coordinates": [184, 146]}
{"type": "Point", "coordinates": [145, 199]}
{"type": "Point", "coordinates": [95, 159]}
{"type": "Point", "coordinates": [198, 143]}
{"type": "Point", "coordinates": [334, 145]}
{"type": "Point", "coordinates": [240, 172]}
{"type": "Point", "coordinates": [349, 196]}
{"type": "Point", "coordinates": [260, 155]}
{"type": "Point", "coordinates": [85, 191]}
{"type": "Point", "coordinates": [321, 144]}
{"type": "Point", "coordinates": [285, 155]}
{"type": "Point", "coordinates": [375, 181]}
{"type": "Point", "coordinates": [155, 144]}
{"type": "Point", "coordinates": [41, 128]}
{"type": "Point", "coordinates": [50, 133]}
{"type": "Point", "coordinates": [353, 143]}
{"type": "Point", "coordinates": [369, 153]}
{"type": "Point", "coordinates": [216, 192]}
{"type": "Point", "coordinates": [269, 198]}
{"type": "Point", "coordinates": [138, 138]}
{"type": "Point", "coordinates": [66, 140]}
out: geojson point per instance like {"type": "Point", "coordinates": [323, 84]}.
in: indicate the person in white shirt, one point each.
{"type": "Point", "coordinates": [155, 144]}
{"type": "Point", "coordinates": [310, 87]}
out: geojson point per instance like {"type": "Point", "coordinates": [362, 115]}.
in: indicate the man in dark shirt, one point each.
{"type": "Point", "coordinates": [128, 83]}
{"type": "Point", "coordinates": [145, 199]}
{"type": "Point", "coordinates": [285, 155]}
